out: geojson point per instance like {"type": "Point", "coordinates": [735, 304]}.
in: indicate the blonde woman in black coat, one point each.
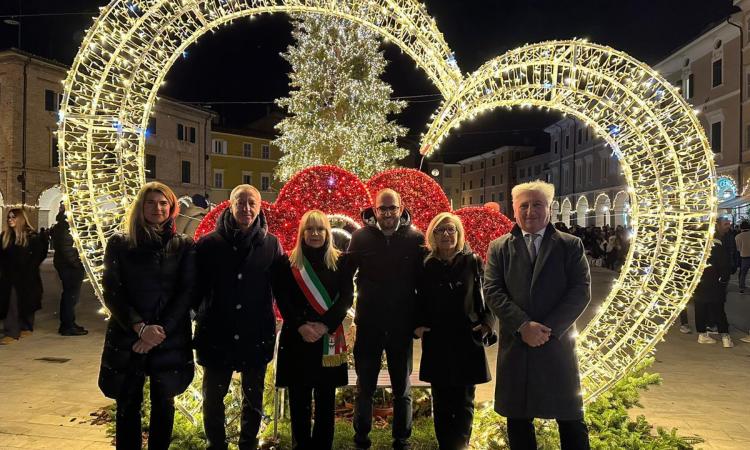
{"type": "Point", "coordinates": [22, 251]}
{"type": "Point", "coordinates": [313, 293]}
{"type": "Point", "coordinates": [454, 326]}
{"type": "Point", "coordinates": [149, 273]}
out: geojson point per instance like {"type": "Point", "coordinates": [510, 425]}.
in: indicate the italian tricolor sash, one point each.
{"type": "Point", "coordinates": [334, 344]}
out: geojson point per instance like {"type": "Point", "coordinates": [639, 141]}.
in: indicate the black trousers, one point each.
{"type": "Point", "coordinates": [15, 321]}
{"type": "Point", "coordinates": [128, 418]}
{"type": "Point", "coordinates": [216, 383]}
{"type": "Point", "coordinates": [453, 410]}
{"type": "Point", "coordinates": [368, 351]}
{"type": "Point", "coordinates": [301, 411]}
{"type": "Point", "coordinates": [574, 435]}
{"type": "Point", "coordinates": [709, 313]}
{"type": "Point", "coordinates": [72, 279]}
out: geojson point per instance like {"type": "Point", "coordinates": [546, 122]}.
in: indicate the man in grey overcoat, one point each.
{"type": "Point", "coordinates": [537, 282]}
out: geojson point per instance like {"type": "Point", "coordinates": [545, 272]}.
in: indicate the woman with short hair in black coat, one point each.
{"type": "Point", "coordinates": [149, 273]}
{"type": "Point", "coordinates": [314, 293]}
{"type": "Point", "coordinates": [454, 326]}
{"type": "Point", "coordinates": [22, 251]}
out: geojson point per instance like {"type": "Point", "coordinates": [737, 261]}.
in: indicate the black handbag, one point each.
{"type": "Point", "coordinates": [479, 309]}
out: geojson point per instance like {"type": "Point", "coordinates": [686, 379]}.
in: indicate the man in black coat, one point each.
{"type": "Point", "coordinates": [537, 282]}
{"type": "Point", "coordinates": [236, 328]}
{"type": "Point", "coordinates": [70, 270]}
{"type": "Point", "coordinates": [388, 253]}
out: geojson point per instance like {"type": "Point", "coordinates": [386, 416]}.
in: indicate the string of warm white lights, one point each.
{"type": "Point", "coordinates": [338, 106]}
{"type": "Point", "coordinates": [111, 90]}
{"type": "Point", "coordinates": [666, 161]}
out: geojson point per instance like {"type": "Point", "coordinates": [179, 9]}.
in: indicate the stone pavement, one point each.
{"type": "Point", "coordinates": [46, 403]}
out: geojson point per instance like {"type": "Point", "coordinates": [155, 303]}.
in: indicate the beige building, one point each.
{"type": "Point", "coordinates": [448, 176]}
{"type": "Point", "coordinates": [489, 177]}
{"type": "Point", "coordinates": [30, 93]}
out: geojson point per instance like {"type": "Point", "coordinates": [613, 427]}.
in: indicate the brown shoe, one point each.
{"type": "Point", "coordinates": [26, 333]}
{"type": "Point", "coordinates": [7, 340]}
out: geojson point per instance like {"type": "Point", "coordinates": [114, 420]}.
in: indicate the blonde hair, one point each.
{"type": "Point", "coordinates": [547, 189]}
{"type": "Point", "coordinates": [135, 225]}
{"type": "Point", "coordinates": [431, 242]}
{"type": "Point", "coordinates": [315, 217]}
{"type": "Point", "coordinates": [22, 223]}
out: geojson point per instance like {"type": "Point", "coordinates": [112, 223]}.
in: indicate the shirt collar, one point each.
{"type": "Point", "coordinates": [540, 233]}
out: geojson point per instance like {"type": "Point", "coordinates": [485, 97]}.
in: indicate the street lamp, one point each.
{"type": "Point", "coordinates": [15, 23]}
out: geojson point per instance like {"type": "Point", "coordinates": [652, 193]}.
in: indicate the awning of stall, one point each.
{"type": "Point", "coordinates": [736, 202]}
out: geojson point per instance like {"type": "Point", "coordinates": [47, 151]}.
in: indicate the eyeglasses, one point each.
{"type": "Point", "coordinates": [449, 230]}
{"type": "Point", "coordinates": [387, 209]}
{"type": "Point", "coordinates": [314, 230]}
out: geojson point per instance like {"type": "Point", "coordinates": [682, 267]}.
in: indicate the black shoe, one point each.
{"type": "Point", "coordinates": [74, 332]}
{"type": "Point", "coordinates": [78, 327]}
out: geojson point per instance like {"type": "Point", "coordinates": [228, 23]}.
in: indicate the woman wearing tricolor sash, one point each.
{"type": "Point", "coordinates": [314, 293]}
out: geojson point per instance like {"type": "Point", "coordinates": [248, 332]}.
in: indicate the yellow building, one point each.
{"type": "Point", "coordinates": [242, 157]}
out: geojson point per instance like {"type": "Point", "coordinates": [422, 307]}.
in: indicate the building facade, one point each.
{"type": "Point", "coordinates": [448, 176]}
{"type": "Point", "coordinates": [176, 150]}
{"type": "Point", "coordinates": [242, 157]}
{"type": "Point", "coordinates": [490, 176]}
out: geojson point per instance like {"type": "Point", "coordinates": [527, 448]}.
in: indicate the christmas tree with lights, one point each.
{"type": "Point", "coordinates": [338, 106]}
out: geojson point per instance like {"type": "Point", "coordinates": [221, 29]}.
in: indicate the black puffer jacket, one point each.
{"type": "Point", "coordinates": [19, 270]}
{"type": "Point", "coordinates": [66, 255]}
{"type": "Point", "coordinates": [152, 283]}
{"type": "Point", "coordinates": [388, 270]}
{"type": "Point", "coordinates": [236, 328]}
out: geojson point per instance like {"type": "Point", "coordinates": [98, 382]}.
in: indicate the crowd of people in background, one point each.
{"type": "Point", "coordinates": [409, 286]}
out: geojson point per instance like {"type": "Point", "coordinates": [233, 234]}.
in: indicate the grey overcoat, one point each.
{"type": "Point", "coordinates": [544, 381]}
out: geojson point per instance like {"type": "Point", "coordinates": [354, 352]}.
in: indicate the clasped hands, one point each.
{"type": "Point", "coordinates": [312, 331]}
{"type": "Point", "coordinates": [151, 336]}
{"type": "Point", "coordinates": [535, 334]}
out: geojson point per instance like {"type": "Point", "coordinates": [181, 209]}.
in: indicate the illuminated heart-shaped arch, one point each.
{"type": "Point", "coordinates": [111, 89]}
{"type": "Point", "coordinates": [666, 160]}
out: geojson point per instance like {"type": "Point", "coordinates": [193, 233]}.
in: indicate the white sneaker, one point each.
{"type": "Point", "coordinates": [726, 340]}
{"type": "Point", "coordinates": [685, 329]}
{"type": "Point", "coordinates": [704, 338]}
{"type": "Point", "coordinates": [746, 339]}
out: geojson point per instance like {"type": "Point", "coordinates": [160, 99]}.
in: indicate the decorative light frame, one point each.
{"type": "Point", "coordinates": [112, 87]}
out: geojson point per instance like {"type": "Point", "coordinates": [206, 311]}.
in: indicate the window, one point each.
{"type": "Point", "coordinates": [151, 130]}
{"type": "Point", "coordinates": [716, 137]}
{"type": "Point", "coordinates": [493, 162]}
{"type": "Point", "coordinates": [471, 200]}
{"type": "Point", "coordinates": [247, 177]}
{"type": "Point", "coordinates": [481, 198]}
{"type": "Point", "coordinates": [501, 159]}
{"type": "Point", "coordinates": [537, 169]}
{"type": "Point", "coordinates": [604, 168]}
{"type": "Point", "coordinates": [463, 185]}
{"type": "Point", "coordinates": [247, 150]}
{"type": "Point", "coordinates": [471, 167]}
{"type": "Point", "coordinates": [265, 183]}
{"type": "Point", "coordinates": [589, 166]}
{"type": "Point", "coordinates": [481, 165]}
{"type": "Point", "coordinates": [220, 146]}
{"type": "Point", "coordinates": [500, 196]}
{"type": "Point", "coordinates": [689, 86]}
{"type": "Point", "coordinates": [716, 73]}
{"type": "Point", "coordinates": [580, 136]}
{"type": "Point", "coordinates": [579, 173]}
{"type": "Point", "coordinates": [180, 132]}
{"type": "Point", "coordinates": [265, 152]}
{"type": "Point", "coordinates": [567, 142]}
{"type": "Point", "coordinates": [218, 178]}
{"type": "Point", "coordinates": [51, 101]}
{"type": "Point", "coordinates": [471, 184]}
{"type": "Point", "coordinates": [555, 147]}
{"type": "Point", "coordinates": [55, 151]}
{"type": "Point", "coordinates": [523, 173]}
{"type": "Point", "coordinates": [186, 171]}
{"type": "Point", "coordinates": [501, 179]}
{"type": "Point", "coordinates": [481, 182]}
{"type": "Point", "coordinates": [493, 180]}
{"type": "Point", "coordinates": [192, 135]}
{"type": "Point", "coordinates": [151, 166]}
{"type": "Point", "coordinates": [463, 169]}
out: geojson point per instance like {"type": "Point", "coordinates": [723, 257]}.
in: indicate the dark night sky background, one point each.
{"type": "Point", "coordinates": [241, 63]}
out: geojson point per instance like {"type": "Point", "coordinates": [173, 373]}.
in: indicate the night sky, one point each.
{"type": "Point", "coordinates": [241, 63]}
